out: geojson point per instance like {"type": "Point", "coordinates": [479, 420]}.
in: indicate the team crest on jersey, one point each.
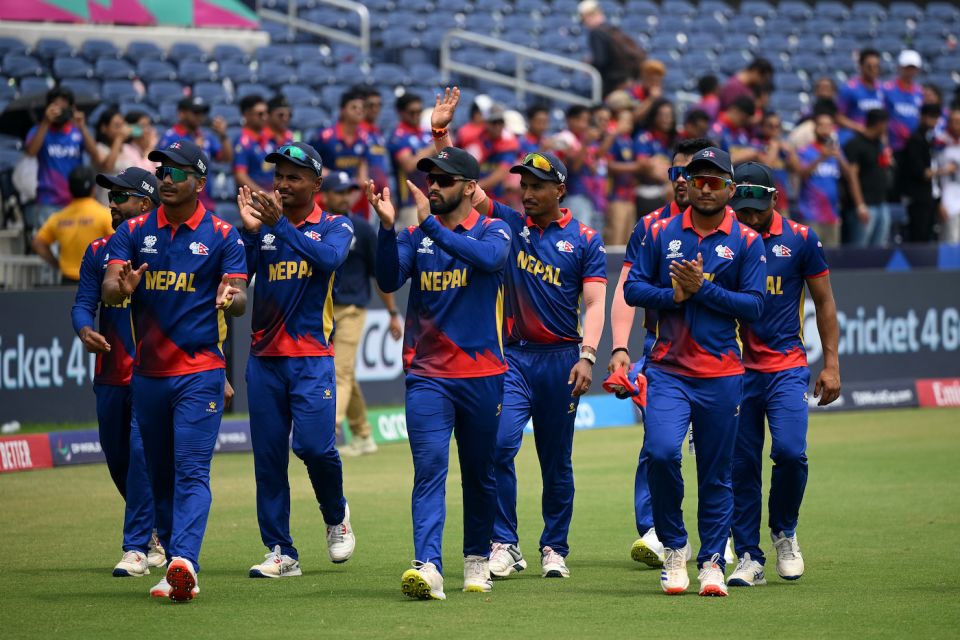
{"type": "Point", "coordinates": [525, 234]}
{"type": "Point", "coordinates": [723, 251]}
{"type": "Point", "coordinates": [674, 249]}
{"type": "Point", "coordinates": [211, 407]}
{"type": "Point", "coordinates": [313, 235]}
{"type": "Point", "coordinates": [564, 246]}
{"type": "Point", "coordinates": [148, 243]}
{"type": "Point", "coordinates": [268, 243]}
{"type": "Point", "coordinates": [199, 249]}
{"type": "Point", "coordinates": [426, 246]}
{"type": "Point", "coordinates": [781, 251]}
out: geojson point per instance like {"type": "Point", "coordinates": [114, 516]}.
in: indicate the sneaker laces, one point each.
{"type": "Point", "coordinates": [473, 567]}
{"type": "Point", "coordinates": [711, 567]}
{"type": "Point", "coordinates": [336, 533]}
{"type": "Point", "coordinates": [787, 547]}
{"type": "Point", "coordinates": [744, 561]}
{"type": "Point", "coordinates": [275, 556]}
{"type": "Point", "coordinates": [673, 559]}
{"type": "Point", "coordinates": [498, 549]}
{"type": "Point", "coordinates": [551, 557]}
{"type": "Point", "coordinates": [132, 556]}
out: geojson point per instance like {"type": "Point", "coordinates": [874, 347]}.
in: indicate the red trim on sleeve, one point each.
{"type": "Point", "coordinates": [238, 276]}
{"type": "Point", "coordinates": [823, 273]}
{"type": "Point", "coordinates": [627, 264]}
{"type": "Point", "coordinates": [116, 261]}
{"type": "Point", "coordinates": [595, 279]}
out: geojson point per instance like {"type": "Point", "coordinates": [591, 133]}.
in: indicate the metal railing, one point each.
{"type": "Point", "coordinates": [295, 23]}
{"type": "Point", "coordinates": [25, 272]}
{"type": "Point", "coordinates": [519, 82]}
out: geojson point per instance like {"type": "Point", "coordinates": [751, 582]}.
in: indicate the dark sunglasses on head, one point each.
{"type": "Point", "coordinates": [675, 173]}
{"type": "Point", "coordinates": [120, 197]}
{"type": "Point", "coordinates": [714, 182]}
{"type": "Point", "coordinates": [176, 175]}
{"type": "Point", "coordinates": [443, 180]}
{"type": "Point", "coordinates": [292, 151]}
{"type": "Point", "coordinates": [754, 191]}
{"type": "Point", "coordinates": [541, 162]}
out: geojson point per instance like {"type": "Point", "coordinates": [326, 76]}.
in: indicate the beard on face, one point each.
{"type": "Point", "coordinates": [711, 210]}
{"type": "Point", "coordinates": [443, 207]}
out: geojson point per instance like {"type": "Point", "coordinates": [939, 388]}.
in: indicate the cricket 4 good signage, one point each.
{"type": "Point", "coordinates": [22, 453]}
{"type": "Point", "coordinates": [943, 392]}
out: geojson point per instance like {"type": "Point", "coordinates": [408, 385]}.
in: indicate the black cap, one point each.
{"type": "Point", "coordinates": [712, 156]}
{"type": "Point", "coordinates": [556, 173]}
{"type": "Point", "coordinates": [298, 153]}
{"type": "Point", "coordinates": [339, 181]}
{"type": "Point", "coordinates": [183, 152]}
{"type": "Point", "coordinates": [193, 103]}
{"type": "Point", "coordinates": [752, 173]}
{"type": "Point", "coordinates": [453, 161]}
{"type": "Point", "coordinates": [134, 179]}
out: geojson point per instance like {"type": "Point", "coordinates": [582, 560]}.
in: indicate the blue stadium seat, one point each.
{"type": "Point", "coordinates": [904, 11]}
{"type": "Point", "coordinates": [386, 74]}
{"type": "Point", "coordinates": [349, 73]}
{"type": "Point", "coordinates": [812, 62]}
{"type": "Point", "coordinates": [300, 96]}
{"type": "Point", "coordinates": [831, 9]}
{"type": "Point", "coordinates": [809, 42]}
{"type": "Point", "coordinates": [930, 45]}
{"type": "Point", "coordinates": [192, 71]}
{"type": "Point", "coordinates": [284, 53]}
{"type": "Point", "coordinates": [33, 84]}
{"type": "Point", "coordinates": [759, 8]}
{"type": "Point", "coordinates": [10, 142]}
{"type": "Point", "coordinates": [212, 92]}
{"type": "Point", "coordinates": [113, 69]}
{"type": "Point", "coordinates": [50, 48]}
{"type": "Point", "coordinates": [180, 51]}
{"type": "Point", "coordinates": [866, 10]}
{"type": "Point", "coordinates": [237, 71]}
{"type": "Point", "coordinates": [120, 91]}
{"type": "Point", "coordinates": [311, 53]}
{"type": "Point", "coordinates": [732, 61]}
{"type": "Point", "coordinates": [791, 83]}
{"type": "Point", "coordinates": [150, 70]}
{"type": "Point", "coordinates": [743, 24]}
{"type": "Point", "coordinates": [841, 60]}
{"type": "Point", "coordinates": [168, 112]}
{"type": "Point", "coordinates": [89, 88]}
{"type": "Point", "coordinates": [276, 74]}
{"type": "Point", "coordinates": [164, 91]}
{"type": "Point", "coordinates": [17, 65]}
{"type": "Point", "coordinates": [330, 97]}
{"type": "Point", "coordinates": [711, 6]}
{"type": "Point", "coordinates": [418, 55]}
{"type": "Point", "coordinates": [229, 112]}
{"type": "Point", "coordinates": [248, 89]}
{"type": "Point", "coordinates": [8, 91]}
{"type": "Point", "coordinates": [9, 158]}
{"type": "Point", "coordinates": [143, 50]}
{"type": "Point", "coordinates": [314, 75]}
{"type": "Point", "coordinates": [12, 45]}
{"type": "Point", "coordinates": [483, 23]}
{"type": "Point", "coordinates": [892, 44]}
{"type": "Point", "coordinates": [72, 68]}
{"type": "Point", "coordinates": [795, 10]}
{"type": "Point", "coordinates": [94, 50]}
{"type": "Point", "coordinates": [943, 11]}
{"type": "Point", "coordinates": [224, 52]}
{"type": "Point", "coordinates": [127, 107]}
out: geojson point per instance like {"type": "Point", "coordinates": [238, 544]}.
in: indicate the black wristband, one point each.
{"type": "Point", "coordinates": [624, 349]}
{"type": "Point", "coordinates": [393, 312]}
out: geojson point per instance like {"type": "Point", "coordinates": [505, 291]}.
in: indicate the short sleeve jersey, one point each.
{"type": "Point", "coordinates": [177, 328]}
{"type": "Point", "coordinates": [408, 139]}
{"type": "Point", "coordinates": [855, 99]}
{"type": "Point", "coordinates": [730, 138]}
{"type": "Point", "coordinates": [545, 276]}
{"type": "Point", "coordinates": [340, 154]}
{"type": "Point", "coordinates": [61, 153]}
{"type": "Point", "coordinates": [625, 148]}
{"type": "Point", "coordinates": [819, 198]}
{"type": "Point", "coordinates": [775, 341]}
{"type": "Point", "coordinates": [250, 153]}
{"type": "Point", "coordinates": [903, 104]}
{"type": "Point", "coordinates": [378, 158]}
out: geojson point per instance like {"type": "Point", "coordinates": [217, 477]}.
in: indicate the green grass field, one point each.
{"type": "Point", "coordinates": [879, 527]}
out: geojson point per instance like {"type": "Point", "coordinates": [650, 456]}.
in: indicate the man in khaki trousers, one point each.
{"type": "Point", "coordinates": [350, 300]}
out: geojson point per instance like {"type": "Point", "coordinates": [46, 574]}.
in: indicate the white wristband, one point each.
{"type": "Point", "coordinates": [586, 355]}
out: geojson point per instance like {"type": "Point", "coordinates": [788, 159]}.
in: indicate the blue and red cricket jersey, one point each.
{"type": "Point", "coordinates": [455, 309]}
{"type": "Point", "coordinates": [249, 153]}
{"type": "Point", "coordinates": [378, 158]}
{"type": "Point", "coordinates": [819, 198]}
{"type": "Point", "coordinates": [730, 138]}
{"type": "Point", "coordinates": [116, 366]}
{"type": "Point", "coordinates": [545, 281]}
{"type": "Point", "coordinates": [210, 146]}
{"type": "Point", "coordinates": [854, 100]}
{"type": "Point", "coordinates": [493, 154]}
{"type": "Point", "coordinates": [176, 326]}
{"type": "Point", "coordinates": [698, 338]}
{"type": "Point", "coordinates": [903, 104]}
{"type": "Point", "coordinates": [529, 144]}
{"type": "Point", "coordinates": [653, 143]}
{"type": "Point", "coordinates": [339, 153]}
{"type": "Point", "coordinates": [296, 267]}
{"type": "Point", "coordinates": [410, 139]}
{"type": "Point", "coordinates": [775, 341]}
{"type": "Point", "coordinates": [61, 153]}
{"type": "Point", "coordinates": [625, 148]}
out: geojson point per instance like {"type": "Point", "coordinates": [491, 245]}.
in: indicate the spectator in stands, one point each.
{"type": "Point", "coordinates": [820, 166]}
{"type": "Point", "coordinates": [904, 97]}
{"type": "Point", "coordinates": [253, 145]}
{"type": "Point", "coordinates": [343, 147]}
{"type": "Point", "coordinates": [378, 158]}
{"type": "Point", "coordinates": [824, 88]}
{"type": "Point", "coordinates": [623, 164]}
{"type": "Point", "coordinates": [649, 89]}
{"type": "Point", "coordinates": [733, 131]}
{"type": "Point", "coordinates": [917, 177]}
{"type": "Point", "coordinates": [471, 131]}
{"type": "Point", "coordinates": [803, 133]}
{"type": "Point", "coordinates": [774, 152]}
{"type": "Point", "coordinates": [409, 144]}
{"type": "Point", "coordinates": [496, 149]}
{"type": "Point", "coordinates": [696, 124]}
{"type": "Point", "coordinates": [112, 135]}
{"type": "Point", "coordinates": [612, 52]}
{"type": "Point", "coordinates": [350, 300]}
{"type": "Point", "coordinates": [948, 164]}
{"type": "Point", "coordinates": [58, 143]}
{"type": "Point", "coordinates": [870, 160]}
{"type": "Point", "coordinates": [708, 87]}
{"type": "Point", "coordinates": [576, 146]}
{"type": "Point", "coordinates": [74, 227]}
{"type": "Point", "coordinates": [538, 124]}
{"type": "Point", "coordinates": [278, 120]}
{"type": "Point", "coordinates": [860, 94]}
{"type": "Point", "coordinates": [747, 82]}
{"type": "Point", "coordinates": [143, 140]}
{"type": "Point", "coordinates": [655, 151]}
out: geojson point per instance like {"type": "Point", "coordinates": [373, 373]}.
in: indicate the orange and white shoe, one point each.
{"type": "Point", "coordinates": [156, 556]}
{"type": "Point", "coordinates": [673, 577]}
{"type": "Point", "coordinates": [182, 579]}
{"type": "Point", "coordinates": [162, 589]}
{"type": "Point", "coordinates": [711, 578]}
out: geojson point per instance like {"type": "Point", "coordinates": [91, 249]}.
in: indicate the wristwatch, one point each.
{"type": "Point", "coordinates": [586, 355]}
{"type": "Point", "coordinates": [393, 313]}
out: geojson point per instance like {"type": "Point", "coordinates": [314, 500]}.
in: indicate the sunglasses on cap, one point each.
{"type": "Point", "coordinates": [120, 197]}
{"type": "Point", "coordinates": [714, 182]}
{"type": "Point", "coordinates": [293, 152]}
{"type": "Point", "coordinates": [676, 172]}
{"type": "Point", "coordinates": [754, 191]}
{"type": "Point", "coordinates": [443, 180]}
{"type": "Point", "coordinates": [540, 162]}
{"type": "Point", "coordinates": [176, 175]}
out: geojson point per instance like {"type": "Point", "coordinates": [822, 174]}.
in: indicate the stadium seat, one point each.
{"type": "Point", "coordinates": [794, 10]}
{"type": "Point", "coordinates": [72, 68]}
{"type": "Point", "coordinates": [248, 89]}
{"type": "Point", "coordinates": [143, 107]}
{"type": "Point", "coordinates": [33, 84]}
{"type": "Point", "coordinates": [275, 74]}
{"type": "Point", "coordinates": [330, 97]}
{"type": "Point", "coordinates": [12, 45]}
{"type": "Point", "coordinates": [864, 10]}
{"type": "Point", "coordinates": [229, 112]}
{"type": "Point", "coordinates": [225, 52]}
{"type": "Point", "coordinates": [236, 71]}
{"type": "Point", "coordinates": [712, 6]}
{"type": "Point", "coordinates": [120, 91]}
{"type": "Point", "coordinates": [151, 70]}
{"type": "Point", "coordinates": [831, 9]}
{"type": "Point", "coordinates": [181, 51]}
{"type": "Point", "coordinates": [8, 91]}
{"type": "Point", "coordinates": [113, 69]}
{"type": "Point", "coordinates": [759, 8]}
{"type": "Point", "coordinates": [84, 87]}
{"type": "Point", "coordinates": [300, 96]}
{"type": "Point", "coordinates": [164, 91]}
{"type": "Point", "coordinates": [284, 53]}
{"type": "Point", "coordinates": [904, 11]}
{"type": "Point", "coordinates": [732, 61]}
{"type": "Point", "coordinates": [94, 50]}
{"type": "Point", "coordinates": [791, 83]}
{"type": "Point", "coordinates": [212, 92]}
{"type": "Point", "coordinates": [143, 50]}
{"type": "Point", "coordinates": [812, 62]}
{"type": "Point", "coordinates": [168, 112]}
{"type": "Point", "coordinates": [51, 48]}
{"type": "Point", "coordinates": [193, 71]}
{"type": "Point", "coordinates": [943, 12]}
{"type": "Point", "coordinates": [17, 65]}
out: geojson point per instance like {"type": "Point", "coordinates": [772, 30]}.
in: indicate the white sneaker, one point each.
{"type": "Point", "coordinates": [711, 578]}
{"type": "Point", "coordinates": [182, 579]}
{"type": "Point", "coordinates": [748, 573]}
{"type": "Point", "coordinates": [132, 565]}
{"type": "Point", "coordinates": [276, 565]}
{"type": "Point", "coordinates": [673, 577]}
{"type": "Point", "coordinates": [156, 556]}
{"type": "Point", "coordinates": [422, 582]}
{"type": "Point", "coordinates": [505, 559]}
{"type": "Point", "coordinates": [687, 552]}
{"type": "Point", "coordinates": [648, 549]}
{"type": "Point", "coordinates": [789, 558]}
{"type": "Point", "coordinates": [365, 445]}
{"type": "Point", "coordinates": [476, 575]}
{"type": "Point", "coordinates": [340, 539]}
{"type": "Point", "coordinates": [553, 564]}
{"type": "Point", "coordinates": [162, 589]}
{"type": "Point", "coordinates": [728, 555]}
{"type": "Point", "coordinates": [349, 450]}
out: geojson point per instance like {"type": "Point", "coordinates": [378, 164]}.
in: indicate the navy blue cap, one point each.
{"type": "Point", "coordinates": [557, 172]}
{"type": "Point", "coordinates": [752, 174]}
{"type": "Point", "coordinates": [134, 179]}
{"type": "Point", "coordinates": [184, 152]}
{"type": "Point", "coordinates": [713, 156]}
{"type": "Point", "coordinates": [298, 153]}
{"type": "Point", "coordinates": [193, 103]}
{"type": "Point", "coordinates": [339, 181]}
{"type": "Point", "coordinates": [453, 161]}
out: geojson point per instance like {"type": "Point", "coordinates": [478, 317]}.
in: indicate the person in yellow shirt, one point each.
{"type": "Point", "coordinates": [74, 227]}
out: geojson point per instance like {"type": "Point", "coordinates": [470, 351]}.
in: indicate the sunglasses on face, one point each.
{"type": "Point", "coordinates": [176, 175]}
{"type": "Point", "coordinates": [443, 180]}
{"type": "Point", "coordinates": [120, 197]}
{"type": "Point", "coordinates": [754, 191]}
{"type": "Point", "coordinates": [540, 162]}
{"type": "Point", "coordinates": [716, 183]}
{"type": "Point", "coordinates": [675, 173]}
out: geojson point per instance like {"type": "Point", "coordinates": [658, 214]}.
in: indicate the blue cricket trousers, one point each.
{"type": "Point", "coordinates": [123, 447]}
{"type": "Point", "coordinates": [179, 419]}
{"type": "Point", "coordinates": [536, 386]}
{"type": "Point", "coordinates": [781, 397]}
{"type": "Point", "coordinates": [470, 409]}
{"type": "Point", "coordinates": [301, 392]}
{"type": "Point", "coordinates": [712, 405]}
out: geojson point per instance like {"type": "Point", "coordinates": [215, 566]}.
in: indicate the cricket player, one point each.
{"type": "Point", "coordinates": [777, 379]}
{"type": "Point", "coordinates": [703, 272]}
{"type": "Point", "coordinates": [453, 356]}
{"type": "Point", "coordinates": [556, 263]}
{"type": "Point", "coordinates": [132, 192]}
{"type": "Point", "coordinates": [294, 248]}
{"type": "Point", "coordinates": [184, 269]}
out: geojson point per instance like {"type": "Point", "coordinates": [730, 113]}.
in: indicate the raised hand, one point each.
{"type": "Point", "coordinates": [267, 208]}
{"type": "Point", "coordinates": [130, 278]}
{"type": "Point", "coordinates": [423, 202]}
{"type": "Point", "coordinates": [444, 108]}
{"type": "Point", "coordinates": [381, 204]}
{"type": "Point", "coordinates": [225, 293]}
{"type": "Point", "coordinates": [251, 222]}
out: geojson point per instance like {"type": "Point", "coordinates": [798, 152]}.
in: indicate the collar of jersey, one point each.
{"type": "Point", "coordinates": [313, 218]}
{"type": "Point", "coordinates": [563, 221]}
{"type": "Point", "coordinates": [776, 226]}
{"type": "Point", "coordinates": [468, 222]}
{"type": "Point", "coordinates": [340, 135]}
{"type": "Point", "coordinates": [404, 129]}
{"type": "Point", "coordinates": [725, 226]}
{"type": "Point", "coordinates": [263, 137]}
{"type": "Point", "coordinates": [193, 221]}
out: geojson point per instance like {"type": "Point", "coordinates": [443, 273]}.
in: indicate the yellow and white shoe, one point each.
{"type": "Point", "coordinates": [648, 549]}
{"type": "Point", "coordinates": [182, 578]}
{"type": "Point", "coordinates": [132, 565]}
{"type": "Point", "coordinates": [476, 575]}
{"type": "Point", "coordinates": [422, 582]}
{"type": "Point", "coordinates": [156, 556]}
